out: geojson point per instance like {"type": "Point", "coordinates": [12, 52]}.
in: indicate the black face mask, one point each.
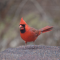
{"type": "Point", "coordinates": [23, 31]}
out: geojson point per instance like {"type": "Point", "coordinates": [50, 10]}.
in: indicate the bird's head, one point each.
{"type": "Point", "coordinates": [22, 25]}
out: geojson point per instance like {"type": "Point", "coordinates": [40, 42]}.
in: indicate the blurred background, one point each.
{"type": "Point", "coordinates": [36, 13]}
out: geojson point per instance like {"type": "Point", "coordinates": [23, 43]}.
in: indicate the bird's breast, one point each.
{"type": "Point", "coordinates": [28, 36]}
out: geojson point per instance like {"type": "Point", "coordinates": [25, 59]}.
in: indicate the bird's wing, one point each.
{"type": "Point", "coordinates": [34, 31]}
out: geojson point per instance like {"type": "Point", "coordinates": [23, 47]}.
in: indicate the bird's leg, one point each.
{"type": "Point", "coordinates": [25, 44]}
{"type": "Point", "coordinates": [34, 44]}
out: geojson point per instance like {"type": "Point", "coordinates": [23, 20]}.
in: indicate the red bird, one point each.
{"type": "Point", "coordinates": [29, 34]}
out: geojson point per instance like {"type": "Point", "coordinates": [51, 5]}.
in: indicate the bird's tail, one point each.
{"type": "Point", "coordinates": [46, 29]}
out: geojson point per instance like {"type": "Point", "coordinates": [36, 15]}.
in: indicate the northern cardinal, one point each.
{"type": "Point", "coordinates": [29, 34]}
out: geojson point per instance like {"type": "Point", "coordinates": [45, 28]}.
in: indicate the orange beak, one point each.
{"type": "Point", "coordinates": [21, 27]}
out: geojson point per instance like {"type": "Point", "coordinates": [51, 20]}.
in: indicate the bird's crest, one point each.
{"type": "Point", "coordinates": [22, 21]}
